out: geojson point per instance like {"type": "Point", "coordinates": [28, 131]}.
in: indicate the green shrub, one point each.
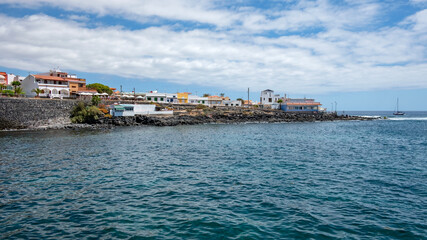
{"type": "Point", "coordinates": [95, 100]}
{"type": "Point", "coordinates": [201, 106]}
{"type": "Point", "coordinates": [82, 113]}
{"type": "Point", "coordinates": [8, 92]}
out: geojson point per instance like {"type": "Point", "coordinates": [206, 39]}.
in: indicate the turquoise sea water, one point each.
{"type": "Point", "coordinates": [323, 180]}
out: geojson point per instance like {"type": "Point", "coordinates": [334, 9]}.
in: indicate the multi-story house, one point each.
{"type": "Point", "coordinates": [3, 78]}
{"type": "Point", "coordinates": [55, 84]}
{"type": "Point", "coordinates": [268, 97]}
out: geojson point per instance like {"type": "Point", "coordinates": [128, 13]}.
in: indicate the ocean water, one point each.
{"type": "Point", "coordinates": [322, 180]}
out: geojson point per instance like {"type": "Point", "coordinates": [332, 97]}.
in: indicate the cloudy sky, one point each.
{"type": "Point", "coordinates": [361, 53]}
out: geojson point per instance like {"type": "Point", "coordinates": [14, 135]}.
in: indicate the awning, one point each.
{"type": "Point", "coordinates": [119, 108]}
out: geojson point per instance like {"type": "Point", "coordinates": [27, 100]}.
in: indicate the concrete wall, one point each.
{"type": "Point", "coordinates": [31, 113]}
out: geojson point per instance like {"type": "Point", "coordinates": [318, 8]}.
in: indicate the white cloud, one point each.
{"type": "Point", "coordinates": [186, 10]}
{"type": "Point", "coordinates": [335, 59]}
{"type": "Point", "coordinates": [309, 14]}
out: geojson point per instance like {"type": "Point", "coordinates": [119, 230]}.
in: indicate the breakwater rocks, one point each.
{"type": "Point", "coordinates": [224, 117]}
{"type": "Point", "coordinates": [24, 113]}
{"type": "Point", "coordinates": [29, 113]}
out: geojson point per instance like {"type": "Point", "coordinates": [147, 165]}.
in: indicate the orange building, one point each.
{"type": "Point", "coordinates": [183, 97]}
{"type": "Point", "coordinates": [3, 78]}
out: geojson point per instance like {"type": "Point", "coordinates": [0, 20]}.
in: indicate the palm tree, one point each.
{"type": "Point", "coordinates": [19, 91]}
{"type": "Point", "coordinates": [206, 95]}
{"type": "Point", "coordinates": [16, 84]}
{"type": "Point", "coordinates": [37, 91]}
{"type": "Point", "coordinates": [280, 101]}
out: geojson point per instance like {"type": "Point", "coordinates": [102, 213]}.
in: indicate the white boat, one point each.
{"type": "Point", "coordinates": [397, 109]}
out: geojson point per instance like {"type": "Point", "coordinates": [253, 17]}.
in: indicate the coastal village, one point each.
{"type": "Point", "coordinates": [57, 84]}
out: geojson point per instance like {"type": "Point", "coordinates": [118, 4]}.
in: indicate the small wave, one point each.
{"type": "Point", "coordinates": [408, 119]}
{"type": "Point", "coordinates": [371, 116]}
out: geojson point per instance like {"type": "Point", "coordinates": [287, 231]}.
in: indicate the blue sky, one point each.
{"type": "Point", "coordinates": [362, 54]}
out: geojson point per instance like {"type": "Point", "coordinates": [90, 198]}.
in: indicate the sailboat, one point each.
{"type": "Point", "coordinates": [397, 109]}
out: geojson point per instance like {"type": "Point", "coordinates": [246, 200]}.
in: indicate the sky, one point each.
{"type": "Point", "coordinates": [362, 54]}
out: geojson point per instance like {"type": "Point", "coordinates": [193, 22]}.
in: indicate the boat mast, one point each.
{"type": "Point", "coordinates": [397, 106]}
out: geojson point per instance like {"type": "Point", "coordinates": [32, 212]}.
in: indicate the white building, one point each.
{"type": "Point", "coordinates": [53, 87]}
{"type": "Point", "coordinates": [268, 97]}
{"type": "Point", "coordinates": [124, 110]}
{"type": "Point", "coordinates": [172, 98]}
{"type": "Point", "coordinates": [194, 99]}
{"type": "Point", "coordinates": [235, 103]}
{"type": "Point", "coordinates": [55, 84]}
{"type": "Point", "coordinates": [8, 78]}
{"type": "Point", "coordinates": [154, 96]}
{"type": "Point", "coordinates": [3, 80]}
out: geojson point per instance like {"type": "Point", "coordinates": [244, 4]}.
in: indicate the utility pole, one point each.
{"type": "Point", "coordinates": [121, 90]}
{"type": "Point", "coordinates": [335, 107]}
{"type": "Point", "coordinates": [248, 97]}
{"type": "Point", "coordinates": [134, 96]}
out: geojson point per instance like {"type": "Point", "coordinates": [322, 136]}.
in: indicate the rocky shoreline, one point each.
{"type": "Point", "coordinates": [194, 117]}
{"type": "Point", "coordinates": [225, 117]}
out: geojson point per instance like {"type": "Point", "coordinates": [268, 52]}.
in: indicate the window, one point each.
{"type": "Point", "coordinates": [155, 99]}
{"type": "Point", "coordinates": [149, 98]}
{"type": "Point", "coordinates": [80, 85]}
{"type": "Point", "coordinates": [270, 100]}
{"type": "Point", "coordinates": [161, 99]}
{"type": "Point", "coordinates": [203, 102]}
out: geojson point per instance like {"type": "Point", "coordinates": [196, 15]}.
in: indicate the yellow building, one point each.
{"type": "Point", "coordinates": [183, 97]}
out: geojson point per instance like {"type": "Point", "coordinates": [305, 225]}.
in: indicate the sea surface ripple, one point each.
{"type": "Point", "coordinates": [326, 180]}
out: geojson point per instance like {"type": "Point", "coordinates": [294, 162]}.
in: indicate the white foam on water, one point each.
{"type": "Point", "coordinates": [408, 119]}
{"type": "Point", "coordinates": [372, 116]}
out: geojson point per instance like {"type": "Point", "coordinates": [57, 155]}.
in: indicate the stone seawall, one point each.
{"type": "Point", "coordinates": [19, 113]}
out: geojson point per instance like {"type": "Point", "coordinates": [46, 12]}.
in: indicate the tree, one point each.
{"type": "Point", "coordinates": [37, 91]}
{"type": "Point", "coordinates": [206, 95]}
{"type": "Point", "coordinates": [16, 84]}
{"type": "Point", "coordinates": [19, 91]}
{"type": "Point", "coordinates": [95, 100]}
{"type": "Point", "coordinates": [100, 88]}
{"type": "Point", "coordinates": [280, 101]}
{"type": "Point", "coordinates": [222, 94]}
{"type": "Point", "coordinates": [241, 100]}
